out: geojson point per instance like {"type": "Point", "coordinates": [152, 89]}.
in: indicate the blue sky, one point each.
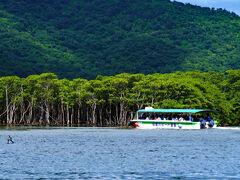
{"type": "Point", "coordinates": [230, 5]}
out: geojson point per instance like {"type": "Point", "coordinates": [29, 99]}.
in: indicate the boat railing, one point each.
{"type": "Point", "coordinates": [162, 120]}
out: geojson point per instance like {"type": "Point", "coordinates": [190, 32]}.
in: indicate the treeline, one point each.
{"type": "Point", "coordinates": [113, 100]}
{"type": "Point", "coordinates": [85, 38]}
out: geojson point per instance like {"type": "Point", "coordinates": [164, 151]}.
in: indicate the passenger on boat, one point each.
{"type": "Point", "coordinates": [208, 119]}
{"type": "Point", "coordinates": [185, 117]}
{"type": "Point", "coordinates": [143, 116]}
{"type": "Point", "coordinates": [159, 118]}
{"type": "Point", "coordinates": [155, 118]}
{"type": "Point", "coordinates": [195, 118]}
{"type": "Point", "coordinates": [181, 119]}
{"type": "Point", "coordinates": [198, 118]}
{"type": "Point", "coordinates": [190, 118]}
{"type": "Point", "coordinates": [203, 123]}
{"type": "Point", "coordinates": [147, 118]}
{"type": "Point", "coordinates": [211, 123]}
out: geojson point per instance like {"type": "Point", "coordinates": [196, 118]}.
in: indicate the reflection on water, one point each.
{"type": "Point", "coordinates": [107, 153]}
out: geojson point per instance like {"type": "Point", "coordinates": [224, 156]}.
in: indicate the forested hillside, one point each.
{"type": "Point", "coordinates": [113, 100]}
{"type": "Point", "coordinates": [86, 38]}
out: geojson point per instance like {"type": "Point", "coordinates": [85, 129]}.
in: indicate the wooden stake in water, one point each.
{"type": "Point", "coordinates": [10, 140]}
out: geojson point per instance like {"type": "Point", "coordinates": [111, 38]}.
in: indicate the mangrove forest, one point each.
{"type": "Point", "coordinates": [113, 100]}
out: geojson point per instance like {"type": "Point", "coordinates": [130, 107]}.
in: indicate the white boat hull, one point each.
{"type": "Point", "coordinates": [168, 124]}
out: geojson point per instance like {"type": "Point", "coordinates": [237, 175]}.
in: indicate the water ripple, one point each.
{"type": "Point", "coordinates": [102, 153]}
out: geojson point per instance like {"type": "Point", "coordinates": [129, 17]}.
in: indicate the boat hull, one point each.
{"type": "Point", "coordinates": [168, 124]}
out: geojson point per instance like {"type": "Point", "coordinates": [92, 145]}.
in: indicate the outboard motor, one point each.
{"type": "Point", "coordinates": [203, 124]}
{"type": "Point", "coordinates": [211, 124]}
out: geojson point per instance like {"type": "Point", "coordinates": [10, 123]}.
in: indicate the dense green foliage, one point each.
{"type": "Point", "coordinates": [113, 100]}
{"type": "Point", "coordinates": [85, 38]}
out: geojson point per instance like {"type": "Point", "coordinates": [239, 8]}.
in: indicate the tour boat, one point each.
{"type": "Point", "coordinates": [150, 118]}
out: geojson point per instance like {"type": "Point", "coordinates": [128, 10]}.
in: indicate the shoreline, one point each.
{"type": "Point", "coordinates": [59, 125]}
{"type": "Point", "coordinates": [83, 125]}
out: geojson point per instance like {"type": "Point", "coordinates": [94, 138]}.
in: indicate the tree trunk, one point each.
{"type": "Point", "coordinates": [101, 115]}
{"type": "Point", "coordinates": [78, 115]}
{"type": "Point", "coordinates": [7, 105]}
{"type": "Point", "coordinates": [93, 107]}
{"type": "Point", "coordinates": [23, 113]}
{"type": "Point", "coordinates": [62, 112]}
{"type": "Point", "coordinates": [11, 113]}
{"type": "Point", "coordinates": [68, 121]}
{"type": "Point", "coordinates": [47, 114]}
{"type": "Point", "coordinates": [72, 115]}
{"type": "Point", "coordinates": [121, 116]}
{"type": "Point", "coordinates": [41, 116]}
{"type": "Point", "coordinates": [30, 114]}
{"type": "Point", "coordinates": [116, 118]}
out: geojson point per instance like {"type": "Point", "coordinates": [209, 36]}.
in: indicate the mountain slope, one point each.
{"type": "Point", "coordinates": [84, 38]}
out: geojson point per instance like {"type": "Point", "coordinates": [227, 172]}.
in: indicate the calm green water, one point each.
{"type": "Point", "coordinates": [112, 153]}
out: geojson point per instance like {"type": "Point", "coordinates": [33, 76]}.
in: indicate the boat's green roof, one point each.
{"type": "Point", "coordinates": [176, 110]}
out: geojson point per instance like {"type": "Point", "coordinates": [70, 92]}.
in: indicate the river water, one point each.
{"type": "Point", "coordinates": [113, 153]}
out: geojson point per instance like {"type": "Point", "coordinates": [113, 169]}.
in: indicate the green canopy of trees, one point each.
{"type": "Point", "coordinates": [86, 38]}
{"type": "Point", "coordinates": [113, 100]}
